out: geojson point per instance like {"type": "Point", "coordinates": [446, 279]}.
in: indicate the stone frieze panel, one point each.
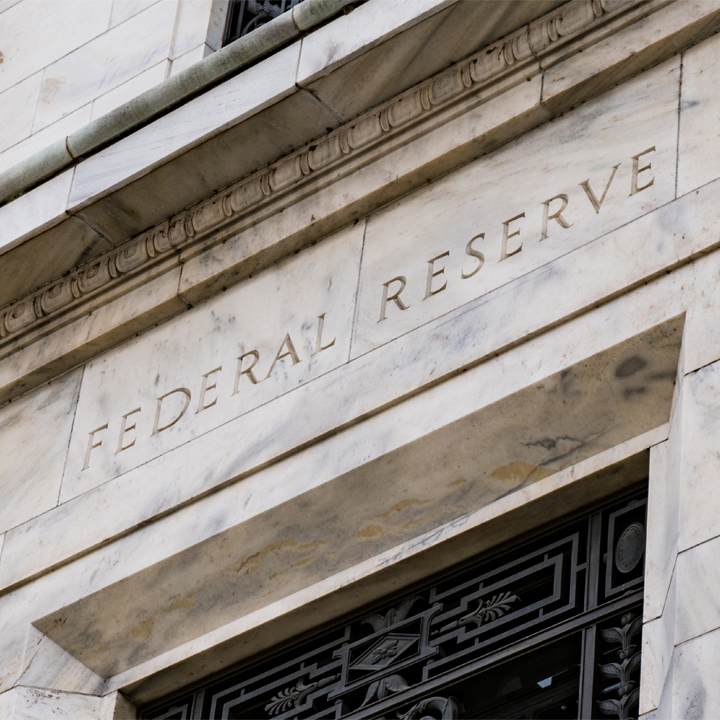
{"type": "Point", "coordinates": [240, 350]}
{"type": "Point", "coordinates": [553, 190]}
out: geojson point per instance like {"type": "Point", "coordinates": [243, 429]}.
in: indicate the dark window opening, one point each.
{"type": "Point", "coordinates": [244, 16]}
{"type": "Point", "coordinates": [549, 627]}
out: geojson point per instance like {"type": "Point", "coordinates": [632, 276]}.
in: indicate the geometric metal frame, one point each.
{"type": "Point", "coordinates": [420, 654]}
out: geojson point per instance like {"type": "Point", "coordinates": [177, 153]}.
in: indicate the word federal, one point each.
{"type": "Point", "coordinates": [170, 407]}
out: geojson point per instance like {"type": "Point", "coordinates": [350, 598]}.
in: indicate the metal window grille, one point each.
{"type": "Point", "coordinates": [549, 628]}
{"type": "Point", "coordinates": [244, 16]}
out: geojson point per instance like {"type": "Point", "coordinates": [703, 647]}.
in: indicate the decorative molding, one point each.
{"type": "Point", "coordinates": [518, 50]}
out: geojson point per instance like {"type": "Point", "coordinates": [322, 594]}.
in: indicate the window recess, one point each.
{"type": "Point", "coordinates": [547, 627]}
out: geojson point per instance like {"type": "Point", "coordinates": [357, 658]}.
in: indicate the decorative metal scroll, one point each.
{"type": "Point", "coordinates": [244, 16]}
{"type": "Point", "coordinates": [412, 658]}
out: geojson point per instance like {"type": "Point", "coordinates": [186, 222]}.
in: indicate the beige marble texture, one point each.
{"type": "Point", "coordinates": [123, 10]}
{"type": "Point", "coordinates": [629, 46]}
{"type": "Point", "coordinates": [495, 208]}
{"type": "Point", "coordinates": [327, 48]}
{"type": "Point", "coordinates": [192, 23]}
{"type": "Point", "coordinates": [34, 437]}
{"type": "Point", "coordinates": [111, 59]}
{"type": "Point", "coordinates": [189, 58]}
{"type": "Point", "coordinates": [414, 469]}
{"type": "Point", "coordinates": [47, 666]}
{"type": "Point", "coordinates": [24, 23]}
{"type": "Point", "coordinates": [699, 149]}
{"type": "Point", "coordinates": [38, 544]}
{"type": "Point", "coordinates": [351, 196]}
{"type": "Point", "coordinates": [291, 323]}
{"type": "Point", "coordinates": [400, 566]}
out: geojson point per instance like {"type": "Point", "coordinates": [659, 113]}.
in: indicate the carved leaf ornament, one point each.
{"type": "Point", "coordinates": [489, 610]}
{"type": "Point", "coordinates": [293, 697]}
{"type": "Point", "coordinates": [629, 693]}
{"type": "Point", "coordinates": [265, 185]}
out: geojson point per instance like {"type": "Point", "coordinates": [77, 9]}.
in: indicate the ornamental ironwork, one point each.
{"type": "Point", "coordinates": [547, 628]}
{"type": "Point", "coordinates": [244, 16]}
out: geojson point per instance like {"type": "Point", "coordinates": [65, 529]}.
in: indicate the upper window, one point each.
{"type": "Point", "coordinates": [244, 16]}
{"type": "Point", "coordinates": [547, 628]}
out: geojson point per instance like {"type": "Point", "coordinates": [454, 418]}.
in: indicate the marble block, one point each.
{"type": "Point", "coordinates": [699, 480]}
{"type": "Point", "coordinates": [111, 59]}
{"type": "Point", "coordinates": [658, 641]}
{"type": "Point", "coordinates": [17, 107]}
{"type": "Point", "coordinates": [699, 146]}
{"type": "Point", "coordinates": [325, 49]}
{"type": "Point", "coordinates": [519, 208]}
{"type": "Point", "coordinates": [698, 599]}
{"type": "Point", "coordinates": [245, 347]}
{"type": "Point", "coordinates": [696, 690]}
{"type": "Point", "coordinates": [61, 33]}
{"type": "Point", "coordinates": [123, 10]}
{"type": "Point", "coordinates": [569, 287]}
{"type": "Point", "coordinates": [662, 522]}
{"type": "Point", "coordinates": [34, 433]}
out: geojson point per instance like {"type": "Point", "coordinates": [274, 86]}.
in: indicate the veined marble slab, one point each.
{"type": "Point", "coordinates": [240, 350]}
{"type": "Point", "coordinates": [523, 206]}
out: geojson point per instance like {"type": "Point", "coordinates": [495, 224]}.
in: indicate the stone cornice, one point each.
{"type": "Point", "coordinates": [520, 52]}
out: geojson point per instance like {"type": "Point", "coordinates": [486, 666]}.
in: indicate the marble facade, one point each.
{"type": "Point", "coordinates": [347, 318]}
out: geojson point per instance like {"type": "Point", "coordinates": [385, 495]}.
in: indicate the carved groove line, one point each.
{"type": "Point", "coordinates": [290, 172]}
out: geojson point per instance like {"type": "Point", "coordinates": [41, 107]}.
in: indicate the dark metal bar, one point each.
{"type": "Point", "coordinates": [587, 675]}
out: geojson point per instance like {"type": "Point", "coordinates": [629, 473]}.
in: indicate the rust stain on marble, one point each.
{"type": "Point", "coordinates": [253, 562]}
{"type": "Point", "coordinates": [401, 506]}
{"type": "Point", "coordinates": [370, 531]}
{"type": "Point", "coordinates": [142, 630]}
{"type": "Point", "coordinates": [50, 88]}
{"type": "Point", "coordinates": [184, 604]}
{"type": "Point", "coordinates": [519, 470]}
{"type": "Point", "coordinates": [455, 483]}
